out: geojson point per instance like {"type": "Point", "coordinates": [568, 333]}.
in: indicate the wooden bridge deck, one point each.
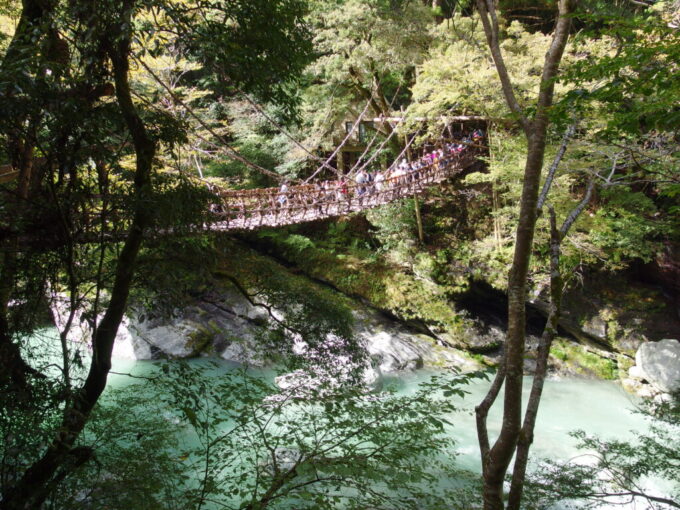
{"type": "Point", "coordinates": [270, 207]}
{"type": "Point", "coordinates": [235, 210]}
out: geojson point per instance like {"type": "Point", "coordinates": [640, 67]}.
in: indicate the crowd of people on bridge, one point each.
{"type": "Point", "coordinates": [400, 173]}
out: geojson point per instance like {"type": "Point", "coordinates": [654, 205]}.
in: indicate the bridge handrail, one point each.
{"type": "Point", "coordinates": [247, 209]}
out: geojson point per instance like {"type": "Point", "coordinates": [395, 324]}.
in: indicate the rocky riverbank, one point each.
{"type": "Point", "coordinates": [599, 334]}
{"type": "Point", "coordinates": [656, 373]}
{"type": "Point", "coordinates": [606, 316]}
{"type": "Point", "coordinates": [227, 324]}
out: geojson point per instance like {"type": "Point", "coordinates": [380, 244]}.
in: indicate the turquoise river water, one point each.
{"type": "Point", "coordinates": [600, 407]}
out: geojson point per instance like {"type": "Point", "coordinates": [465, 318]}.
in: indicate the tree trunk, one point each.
{"type": "Point", "coordinates": [526, 436]}
{"type": "Point", "coordinates": [34, 486]}
{"type": "Point", "coordinates": [549, 333]}
{"type": "Point", "coordinates": [20, 145]}
{"type": "Point", "coordinates": [496, 459]}
{"type": "Point", "coordinates": [419, 220]}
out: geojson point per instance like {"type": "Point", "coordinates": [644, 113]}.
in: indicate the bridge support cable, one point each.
{"type": "Point", "coordinates": [231, 152]}
{"type": "Point", "coordinates": [381, 120]}
{"type": "Point", "coordinates": [239, 210]}
{"type": "Point", "coordinates": [416, 204]}
{"type": "Point", "coordinates": [377, 152]}
{"type": "Point", "coordinates": [392, 133]}
{"type": "Point", "coordinates": [252, 209]}
{"type": "Point", "coordinates": [262, 112]}
{"type": "Point", "coordinates": [325, 164]}
{"type": "Point", "coordinates": [342, 144]}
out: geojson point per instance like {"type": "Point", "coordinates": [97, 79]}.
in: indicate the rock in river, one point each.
{"type": "Point", "coordinates": [659, 363]}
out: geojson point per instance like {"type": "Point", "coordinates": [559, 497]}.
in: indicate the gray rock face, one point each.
{"type": "Point", "coordinates": [630, 342]}
{"type": "Point", "coordinates": [226, 324]}
{"type": "Point", "coordinates": [596, 327]}
{"type": "Point", "coordinates": [483, 339]}
{"type": "Point", "coordinates": [393, 347]}
{"type": "Point", "coordinates": [659, 363]}
{"type": "Point", "coordinates": [151, 339]}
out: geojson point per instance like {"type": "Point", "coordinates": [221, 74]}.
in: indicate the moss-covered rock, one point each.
{"type": "Point", "coordinates": [606, 312]}
{"type": "Point", "coordinates": [571, 358]}
{"type": "Point", "coordinates": [620, 311]}
{"type": "Point", "coordinates": [201, 341]}
{"type": "Point", "coordinates": [404, 284]}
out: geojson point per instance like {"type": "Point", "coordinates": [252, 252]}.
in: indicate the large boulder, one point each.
{"type": "Point", "coordinates": [395, 347]}
{"type": "Point", "coordinates": [222, 323]}
{"type": "Point", "coordinates": [659, 363]}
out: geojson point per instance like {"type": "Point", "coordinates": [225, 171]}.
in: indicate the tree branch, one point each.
{"type": "Point", "coordinates": [232, 153]}
{"type": "Point", "coordinates": [482, 411]}
{"type": "Point", "coordinates": [487, 12]}
{"type": "Point", "coordinates": [574, 214]}
{"type": "Point", "coordinates": [554, 56]}
{"type": "Point", "coordinates": [553, 167]}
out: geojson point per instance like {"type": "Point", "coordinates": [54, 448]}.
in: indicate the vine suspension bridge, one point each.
{"type": "Point", "coordinates": [273, 207]}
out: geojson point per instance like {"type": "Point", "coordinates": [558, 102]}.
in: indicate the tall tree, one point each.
{"type": "Point", "coordinates": [63, 63]}
{"type": "Point", "coordinates": [534, 123]}
{"type": "Point", "coordinates": [34, 485]}
{"type": "Point", "coordinates": [366, 54]}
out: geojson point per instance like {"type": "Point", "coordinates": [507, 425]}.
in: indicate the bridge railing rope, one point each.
{"type": "Point", "coordinates": [7, 174]}
{"type": "Point", "coordinates": [271, 207]}
{"type": "Point", "coordinates": [251, 209]}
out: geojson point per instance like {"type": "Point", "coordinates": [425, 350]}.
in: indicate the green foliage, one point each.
{"type": "Point", "coordinates": [125, 444]}
{"type": "Point", "coordinates": [459, 76]}
{"type": "Point", "coordinates": [296, 311]}
{"type": "Point", "coordinates": [621, 83]}
{"type": "Point", "coordinates": [387, 281]}
{"type": "Point", "coordinates": [171, 271]}
{"type": "Point", "coordinates": [192, 434]}
{"type": "Point", "coordinates": [625, 229]}
{"type": "Point", "coordinates": [613, 471]}
{"type": "Point", "coordinates": [603, 72]}
{"type": "Point", "coordinates": [394, 223]}
{"type": "Point", "coordinates": [28, 423]}
{"type": "Point", "coordinates": [360, 40]}
{"type": "Point", "coordinates": [293, 244]}
{"type": "Point", "coordinates": [631, 83]}
{"type": "Point", "coordinates": [135, 448]}
{"type": "Point", "coordinates": [366, 56]}
{"type": "Point", "coordinates": [317, 444]}
{"type": "Point", "coordinates": [258, 140]}
{"type": "Point", "coordinates": [261, 47]}
{"type": "Point", "coordinates": [94, 159]}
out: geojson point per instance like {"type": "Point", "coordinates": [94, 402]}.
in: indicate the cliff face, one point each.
{"type": "Point", "coordinates": [254, 310]}
{"type": "Point", "coordinates": [664, 271]}
{"type": "Point", "coordinates": [403, 313]}
{"type": "Point", "coordinates": [606, 316]}
{"type": "Point", "coordinates": [224, 323]}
